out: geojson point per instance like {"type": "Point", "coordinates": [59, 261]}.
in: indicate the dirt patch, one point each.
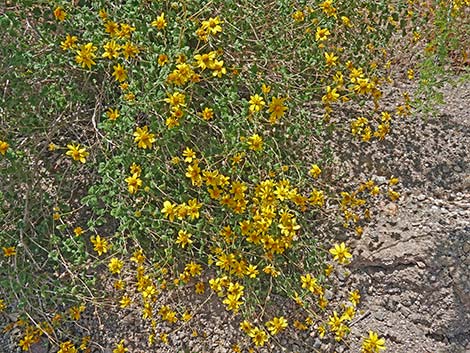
{"type": "Point", "coordinates": [413, 264]}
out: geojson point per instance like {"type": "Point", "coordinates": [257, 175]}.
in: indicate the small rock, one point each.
{"type": "Point", "coordinates": [405, 311]}
{"type": "Point", "coordinates": [342, 276]}
{"type": "Point", "coordinates": [392, 222]}
{"type": "Point", "coordinates": [391, 305]}
{"type": "Point", "coordinates": [328, 294]}
{"type": "Point", "coordinates": [421, 264]}
{"type": "Point", "coordinates": [379, 315]}
{"type": "Point", "coordinates": [39, 347]}
{"type": "Point", "coordinates": [317, 343]}
{"type": "Point", "coordinates": [406, 301]}
{"type": "Point", "coordinates": [421, 197]}
{"type": "Point", "coordinates": [379, 179]}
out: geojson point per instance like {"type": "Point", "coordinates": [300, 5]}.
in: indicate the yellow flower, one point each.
{"type": "Point", "coordinates": [69, 42]}
{"type": "Point", "coordinates": [382, 130]}
{"type": "Point", "coordinates": [271, 270]}
{"type": "Point", "coordinates": [120, 348]}
{"type": "Point", "coordinates": [176, 99]}
{"type": "Point", "coordinates": [331, 95]}
{"type": "Point", "coordinates": [393, 181]}
{"type": "Point", "coordinates": [251, 271]}
{"type": "Point", "coordinates": [322, 34]}
{"type": "Point", "coordinates": [310, 283]}
{"type": "Point", "coordinates": [135, 169]}
{"type": "Point", "coordinates": [162, 59]}
{"type": "Point", "coordinates": [3, 147]}
{"type": "Point", "coordinates": [2, 305]}
{"type": "Point", "coordinates": [129, 96]}
{"type": "Point", "coordinates": [265, 88]}
{"type": "Point", "coordinates": [411, 74]}
{"type": "Point", "coordinates": [255, 142]}
{"type": "Point", "coordinates": [86, 54]}
{"type": "Point", "coordinates": [246, 326]}
{"type": "Point", "coordinates": [331, 59]}
{"type": "Point", "coordinates": [218, 68]}
{"type": "Point", "coordinates": [277, 109]}
{"type": "Point", "coordinates": [119, 284]}
{"type": "Point", "coordinates": [232, 302]}
{"type": "Point", "coordinates": [199, 288]}
{"type": "Point", "coordinates": [346, 21]}
{"type": "Point", "coordinates": [328, 8]}
{"type": "Point", "coordinates": [59, 14]}
{"type": "Point", "coordinates": [52, 147]}
{"type": "Point", "coordinates": [67, 347]}
{"type": "Point", "coordinates": [394, 195]}
{"type": "Point", "coordinates": [276, 325]}
{"type": "Point", "coordinates": [125, 31]}
{"type": "Point", "coordinates": [315, 171]}
{"type": "Point", "coordinates": [115, 265]}
{"type": "Point", "coordinates": [143, 138]}
{"type": "Point", "coordinates": [164, 338]}
{"type": "Point", "coordinates": [169, 210]}
{"type": "Point", "coordinates": [193, 171]}
{"type": "Point", "coordinates": [125, 302]}
{"type": "Point", "coordinates": [193, 269]}
{"type": "Point", "coordinates": [363, 86]}
{"type": "Point", "coordinates": [77, 153]}
{"type": "Point", "coordinates": [112, 114]}
{"type": "Point", "coordinates": [111, 50]}
{"type": "Point", "coordinates": [160, 22]}
{"type": "Point", "coordinates": [102, 13]}
{"type": "Point", "coordinates": [340, 253]}
{"type": "Point", "coordinates": [354, 297]}
{"type": "Point", "coordinates": [193, 209]}
{"type": "Point", "coordinates": [256, 103]}
{"type": "Point", "coordinates": [184, 238]}
{"type": "Point", "coordinates": [373, 344]}
{"type": "Point", "coordinates": [9, 251]}
{"type": "Point", "coordinates": [133, 183]}
{"type": "Point", "coordinates": [259, 337]}
{"type": "Point", "coordinates": [78, 231]}
{"type": "Point", "coordinates": [205, 60]}
{"type": "Point", "coordinates": [100, 245]}
{"type": "Point", "coordinates": [75, 312]}
{"type": "Point", "coordinates": [207, 114]}
{"type": "Point", "coordinates": [189, 155]}
{"type": "Point", "coordinates": [298, 16]}
{"type": "Point", "coordinates": [129, 50]}
{"type": "Point", "coordinates": [26, 342]}
{"type": "Point", "coordinates": [111, 28]}
{"type": "Point", "coordinates": [84, 343]}
{"type": "Point", "coordinates": [209, 27]}
{"type": "Point", "coordinates": [120, 73]}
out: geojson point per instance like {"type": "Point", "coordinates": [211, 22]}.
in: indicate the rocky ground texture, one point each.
{"type": "Point", "coordinates": [413, 264]}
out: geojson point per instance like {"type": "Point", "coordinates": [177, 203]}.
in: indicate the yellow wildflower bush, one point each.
{"type": "Point", "coordinates": [185, 126]}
